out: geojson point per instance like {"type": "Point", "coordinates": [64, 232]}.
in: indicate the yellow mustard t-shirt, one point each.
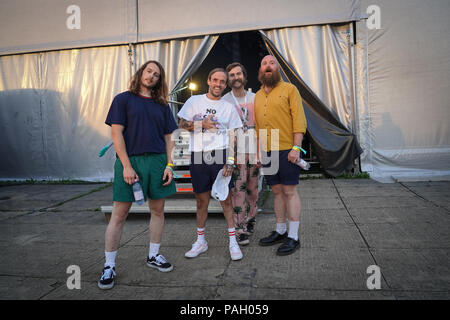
{"type": "Point", "coordinates": [279, 113]}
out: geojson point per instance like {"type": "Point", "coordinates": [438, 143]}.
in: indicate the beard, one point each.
{"type": "Point", "coordinates": [149, 86]}
{"type": "Point", "coordinates": [269, 80]}
{"type": "Point", "coordinates": [211, 92]}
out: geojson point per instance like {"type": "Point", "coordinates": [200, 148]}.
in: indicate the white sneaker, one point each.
{"type": "Point", "coordinates": [235, 253]}
{"type": "Point", "coordinates": [197, 248]}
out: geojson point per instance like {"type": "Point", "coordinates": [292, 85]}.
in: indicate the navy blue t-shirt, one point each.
{"type": "Point", "coordinates": [145, 121]}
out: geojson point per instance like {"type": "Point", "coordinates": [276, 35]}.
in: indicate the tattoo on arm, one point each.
{"type": "Point", "coordinates": [188, 125]}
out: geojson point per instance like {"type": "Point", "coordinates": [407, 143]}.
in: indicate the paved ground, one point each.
{"type": "Point", "coordinates": [346, 226]}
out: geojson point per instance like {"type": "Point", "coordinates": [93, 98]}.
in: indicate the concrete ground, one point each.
{"type": "Point", "coordinates": [346, 227]}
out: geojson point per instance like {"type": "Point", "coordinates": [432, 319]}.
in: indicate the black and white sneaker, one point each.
{"type": "Point", "coordinates": [160, 263]}
{"type": "Point", "coordinates": [107, 279]}
{"type": "Point", "coordinates": [251, 225]}
{"type": "Point", "coordinates": [243, 239]}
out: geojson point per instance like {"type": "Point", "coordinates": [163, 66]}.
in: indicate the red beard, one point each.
{"type": "Point", "coordinates": [269, 80]}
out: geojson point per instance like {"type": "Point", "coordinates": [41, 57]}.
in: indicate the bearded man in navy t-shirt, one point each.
{"type": "Point", "coordinates": [141, 127]}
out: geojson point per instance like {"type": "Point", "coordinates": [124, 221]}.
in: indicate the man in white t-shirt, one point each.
{"type": "Point", "coordinates": [211, 123]}
{"type": "Point", "coordinates": [244, 194]}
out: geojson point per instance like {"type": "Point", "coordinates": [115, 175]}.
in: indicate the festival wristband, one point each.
{"type": "Point", "coordinates": [297, 148]}
{"type": "Point", "coordinates": [173, 173]}
{"type": "Point", "coordinates": [169, 165]}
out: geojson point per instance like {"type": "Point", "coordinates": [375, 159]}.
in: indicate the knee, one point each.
{"type": "Point", "coordinates": [277, 190]}
{"type": "Point", "coordinates": [119, 214]}
{"type": "Point", "coordinates": [227, 203]}
{"type": "Point", "coordinates": [202, 203]}
{"type": "Point", "coordinates": [290, 192]}
{"type": "Point", "coordinates": [118, 219]}
{"type": "Point", "coordinates": [158, 212]}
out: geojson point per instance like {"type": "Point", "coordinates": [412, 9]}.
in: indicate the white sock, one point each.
{"type": "Point", "coordinates": [293, 229]}
{"type": "Point", "coordinates": [154, 249]}
{"type": "Point", "coordinates": [232, 236]}
{"type": "Point", "coordinates": [201, 235]}
{"type": "Point", "coordinates": [281, 228]}
{"type": "Point", "coordinates": [110, 258]}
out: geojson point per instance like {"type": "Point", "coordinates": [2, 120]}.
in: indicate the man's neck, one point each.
{"type": "Point", "coordinates": [143, 91]}
{"type": "Point", "coordinates": [211, 97]}
{"type": "Point", "coordinates": [239, 92]}
{"type": "Point", "coordinates": [267, 89]}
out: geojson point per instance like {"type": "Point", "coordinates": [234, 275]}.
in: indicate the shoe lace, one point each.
{"type": "Point", "coordinates": [160, 259]}
{"type": "Point", "coordinates": [108, 273]}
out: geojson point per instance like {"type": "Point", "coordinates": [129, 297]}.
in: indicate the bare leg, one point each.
{"type": "Point", "coordinates": [202, 208]}
{"type": "Point", "coordinates": [156, 220]}
{"type": "Point", "coordinates": [115, 225]}
{"type": "Point", "coordinates": [279, 203]}
{"type": "Point", "coordinates": [293, 203]}
{"type": "Point", "coordinates": [228, 211]}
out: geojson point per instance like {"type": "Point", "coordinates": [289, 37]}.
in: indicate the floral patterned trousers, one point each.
{"type": "Point", "coordinates": [244, 195]}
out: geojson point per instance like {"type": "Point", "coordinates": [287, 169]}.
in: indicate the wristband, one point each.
{"type": "Point", "coordinates": [169, 165]}
{"type": "Point", "coordinates": [297, 148]}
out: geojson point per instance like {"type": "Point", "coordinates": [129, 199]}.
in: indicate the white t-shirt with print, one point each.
{"type": "Point", "coordinates": [246, 140]}
{"type": "Point", "coordinates": [200, 107]}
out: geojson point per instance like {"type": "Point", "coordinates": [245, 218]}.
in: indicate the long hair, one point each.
{"type": "Point", "coordinates": [159, 92]}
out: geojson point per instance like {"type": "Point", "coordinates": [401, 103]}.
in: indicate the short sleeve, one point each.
{"type": "Point", "coordinates": [171, 124]}
{"type": "Point", "coordinates": [117, 111]}
{"type": "Point", "coordinates": [186, 111]}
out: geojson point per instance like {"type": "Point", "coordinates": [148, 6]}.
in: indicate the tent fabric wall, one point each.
{"type": "Point", "coordinates": [176, 56]}
{"type": "Point", "coordinates": [320, 54]}
{"type": "Point", "coordinates": [41, 25]}
{"type": "Point", "coordinates": [203, 17]}
{"type": "Point", "coordinates": [402, 74]}
{"type": "Point", "coordinates": [53, 106]}
{"type": "Point", "coordinates": [405, 126]}
{"type": "Point", "coordinates": [334, 145]}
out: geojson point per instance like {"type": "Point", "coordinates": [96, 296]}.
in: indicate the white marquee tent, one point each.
{"type": "Point", "coordinates": [62, 62]}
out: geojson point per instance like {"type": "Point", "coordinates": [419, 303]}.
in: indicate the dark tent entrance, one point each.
{"type": "Point", "coordinates": [331, 147]}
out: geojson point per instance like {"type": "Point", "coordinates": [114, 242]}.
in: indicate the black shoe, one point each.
{"type": "Point", "coordinates": [251, 226]}
{"type": "Point", "coordinates": [288, 247]}
{"type": "Point", "coordinates": [243, 239]}
{"type": "Point", "coordinates": [160, 263]}
{"type": "Point", "coordinates": [107, 279]}
{"type": "Point", "coordinates": [274, 238]}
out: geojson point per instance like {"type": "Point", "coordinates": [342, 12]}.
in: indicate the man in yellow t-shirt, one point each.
{"type": "Point", "coordinates": [280, 125]}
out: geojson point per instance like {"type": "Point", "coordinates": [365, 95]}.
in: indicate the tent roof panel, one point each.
{"type": "Point", "coordinates": [41, 25]}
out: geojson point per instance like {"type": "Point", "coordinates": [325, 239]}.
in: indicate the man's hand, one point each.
{"type": "Point", "coordinates": [168, 174]}
{"type": "Point", "coordinates": [208, 123]}
{"type": "Point", "coordinates": [129, 175]}
{"type": "Point", "coordinates": [227, 170]}
{"type": "Point", "coordinates": [293, 156]}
